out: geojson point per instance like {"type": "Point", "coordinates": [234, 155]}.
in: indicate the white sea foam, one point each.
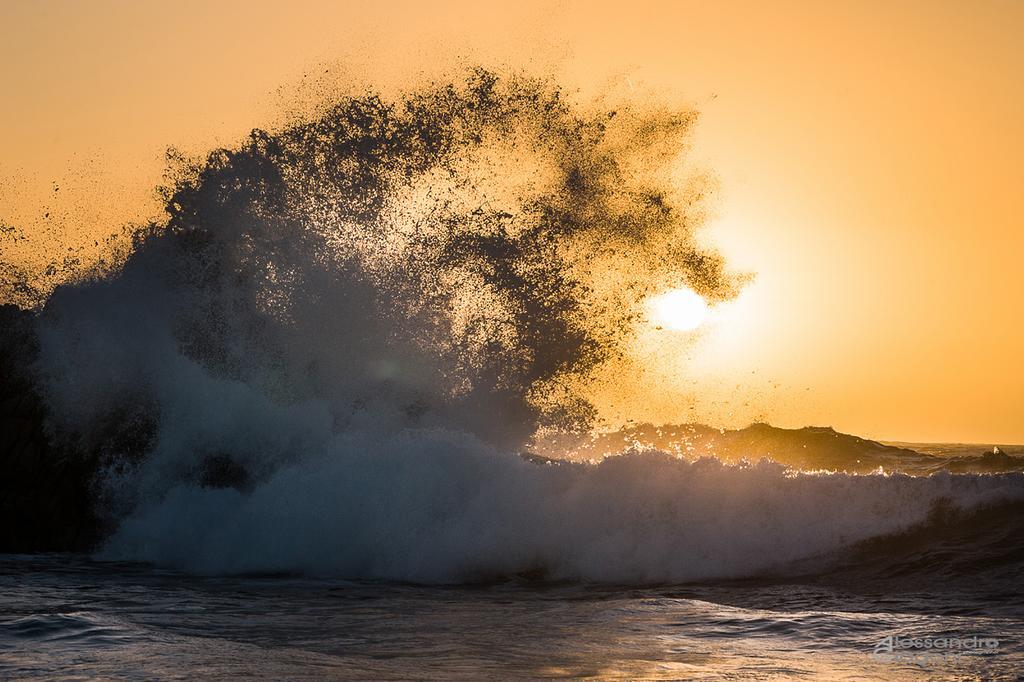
{"type": "Point", "coordinates": [436, 506]}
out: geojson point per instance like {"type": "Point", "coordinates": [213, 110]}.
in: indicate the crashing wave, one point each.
{"type": "Point", "coordinates": [328, 356]}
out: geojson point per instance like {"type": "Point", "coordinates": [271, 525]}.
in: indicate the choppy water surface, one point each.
{"type": "Point", "coordinates": [66, 617]}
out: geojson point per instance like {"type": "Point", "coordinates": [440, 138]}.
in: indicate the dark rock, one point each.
{"type": "Point", "coordinates": [46, 496]}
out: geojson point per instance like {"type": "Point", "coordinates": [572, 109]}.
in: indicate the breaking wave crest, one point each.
{"type": "Point", "coordinates": [442, 507]}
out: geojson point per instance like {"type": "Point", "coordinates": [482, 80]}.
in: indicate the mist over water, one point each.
{"type": "Point", "coordinates": [330, 357]}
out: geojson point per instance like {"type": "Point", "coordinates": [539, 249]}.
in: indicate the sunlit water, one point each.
{"type": "Point", "coordinates": [65, 617]}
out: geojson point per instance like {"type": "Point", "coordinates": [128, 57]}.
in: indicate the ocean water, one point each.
{"type": "Point", "coordinates": [68, 617]}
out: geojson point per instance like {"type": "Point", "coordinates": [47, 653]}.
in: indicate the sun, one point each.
{"type": "Point", "coordinates": [680, 310]}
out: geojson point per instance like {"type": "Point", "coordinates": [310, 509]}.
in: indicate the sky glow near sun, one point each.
{"type": "Point", "coordinates": [680, 310]}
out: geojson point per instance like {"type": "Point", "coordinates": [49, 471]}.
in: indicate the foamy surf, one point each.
{"type": "Point", "coordinates": [437, 507]}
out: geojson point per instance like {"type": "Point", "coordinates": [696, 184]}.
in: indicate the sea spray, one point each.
{"type": "Point", "coordinates": [330, 355]}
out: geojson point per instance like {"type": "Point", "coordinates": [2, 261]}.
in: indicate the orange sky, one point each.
{"type": "Point", "coordinates": [868, 155]}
